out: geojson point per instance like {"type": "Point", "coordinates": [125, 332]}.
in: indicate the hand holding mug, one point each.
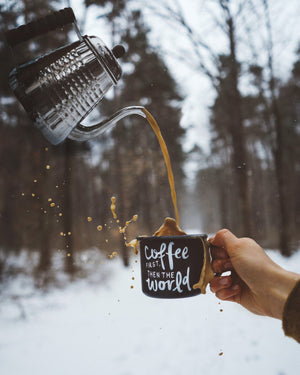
{"type": "Point", "coordinates": [256, 282]}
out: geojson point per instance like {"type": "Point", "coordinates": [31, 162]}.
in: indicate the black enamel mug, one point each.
{"type": "Point", "coordinates": [171, 265]}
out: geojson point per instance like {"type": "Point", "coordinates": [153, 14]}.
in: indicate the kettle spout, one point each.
{"type": "Point", "coordinates": [84, 133]}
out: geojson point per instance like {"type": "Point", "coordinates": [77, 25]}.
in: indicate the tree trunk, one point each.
{"type": "Point", "coordinates": [69, 260]}
{"type": "Point", "coordinates": [121, 196]}
{"type": "Point", "coordinates": [45, 227]}
{"type": "Point", "coordinates": [239, 156]}
{"type": "Point", "coordinates": [284, 226]}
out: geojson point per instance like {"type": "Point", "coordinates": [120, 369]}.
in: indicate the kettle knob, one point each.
{"type": "Point", "coordinates": [118, 51]}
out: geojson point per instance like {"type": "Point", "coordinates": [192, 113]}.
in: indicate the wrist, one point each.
{"type": "Point", "coordinates": [283, 283]}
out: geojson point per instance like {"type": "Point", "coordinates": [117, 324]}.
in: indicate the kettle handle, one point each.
{"type": "Point", "coordinates": [84, 133]}
{"type": "Point", "coordinates": [40, 26]}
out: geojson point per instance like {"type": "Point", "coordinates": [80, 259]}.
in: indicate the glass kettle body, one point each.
{"type": "Point", "coordinates": [59, 89]}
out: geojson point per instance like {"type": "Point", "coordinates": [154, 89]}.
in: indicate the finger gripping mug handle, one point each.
{"type": "Point", "coordinates": [40, 26]}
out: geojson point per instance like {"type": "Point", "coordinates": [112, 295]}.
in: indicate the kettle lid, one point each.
{"type": "Point", "coordinates": [107, 57]}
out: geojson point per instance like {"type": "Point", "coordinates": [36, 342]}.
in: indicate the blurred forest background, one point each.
{"type": "Point", "coordinates": [248, 180]}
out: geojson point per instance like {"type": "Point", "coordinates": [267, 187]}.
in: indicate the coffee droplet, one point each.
{"type": "Point", "coordinates": [113, 207]}
{"type": "Point", "coordinates": [89, 218]}
{"type": "Point", "coordinates": [134, 244]}
{"type": "Point", "coordinates": [48, 166]}
{"type": "Point", "coordinates": [99, 228]}
{"type": "Point", "coordinates": [52, 204]}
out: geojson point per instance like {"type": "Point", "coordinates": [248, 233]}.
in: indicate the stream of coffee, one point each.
{"type": "Point", "coordinates": [165, 152]}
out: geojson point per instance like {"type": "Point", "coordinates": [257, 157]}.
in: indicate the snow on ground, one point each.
{"type": "Point", "coordinates": [108, 327]}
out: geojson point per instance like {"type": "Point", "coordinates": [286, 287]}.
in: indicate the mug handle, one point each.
{"type": "Point", "coordinates": [207, 273]}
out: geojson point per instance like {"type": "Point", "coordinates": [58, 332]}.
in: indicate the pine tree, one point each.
{"type": "Point", "coordinates": [223, 154]}
{"type": "Point", "coordinates": [288, 102]}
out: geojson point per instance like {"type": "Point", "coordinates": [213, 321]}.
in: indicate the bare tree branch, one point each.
{"type": "Point", "coordinates": [175, 17]}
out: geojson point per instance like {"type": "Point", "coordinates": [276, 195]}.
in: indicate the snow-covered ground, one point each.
{"type": "Point", "coordinates": [106, 327]}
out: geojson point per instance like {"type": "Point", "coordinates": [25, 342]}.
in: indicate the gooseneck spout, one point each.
{"type": "Point", "coordinates": [84, 133]}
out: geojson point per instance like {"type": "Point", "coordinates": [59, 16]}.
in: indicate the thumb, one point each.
{"type": "Point", "coordinates": [224, 239]}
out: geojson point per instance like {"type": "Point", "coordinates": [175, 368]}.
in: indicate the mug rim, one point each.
{"type": "Point", "coordinates": [185, 236]}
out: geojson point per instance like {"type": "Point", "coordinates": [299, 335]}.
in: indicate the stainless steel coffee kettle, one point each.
{"type": "Point", "coordinates": [59, 89]}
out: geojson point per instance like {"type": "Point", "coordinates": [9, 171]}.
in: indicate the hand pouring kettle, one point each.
{"type": "Point", "coordinates": [59, 89]}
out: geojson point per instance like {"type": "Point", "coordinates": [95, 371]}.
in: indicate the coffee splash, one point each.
{"type": "Point", "coordinates": [169, 228]}
{"type": "Point", "coordinates": [122, 230]}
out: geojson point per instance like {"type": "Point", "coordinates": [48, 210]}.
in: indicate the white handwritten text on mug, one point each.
{"type": "Point", "coordinates": [170, 280]}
